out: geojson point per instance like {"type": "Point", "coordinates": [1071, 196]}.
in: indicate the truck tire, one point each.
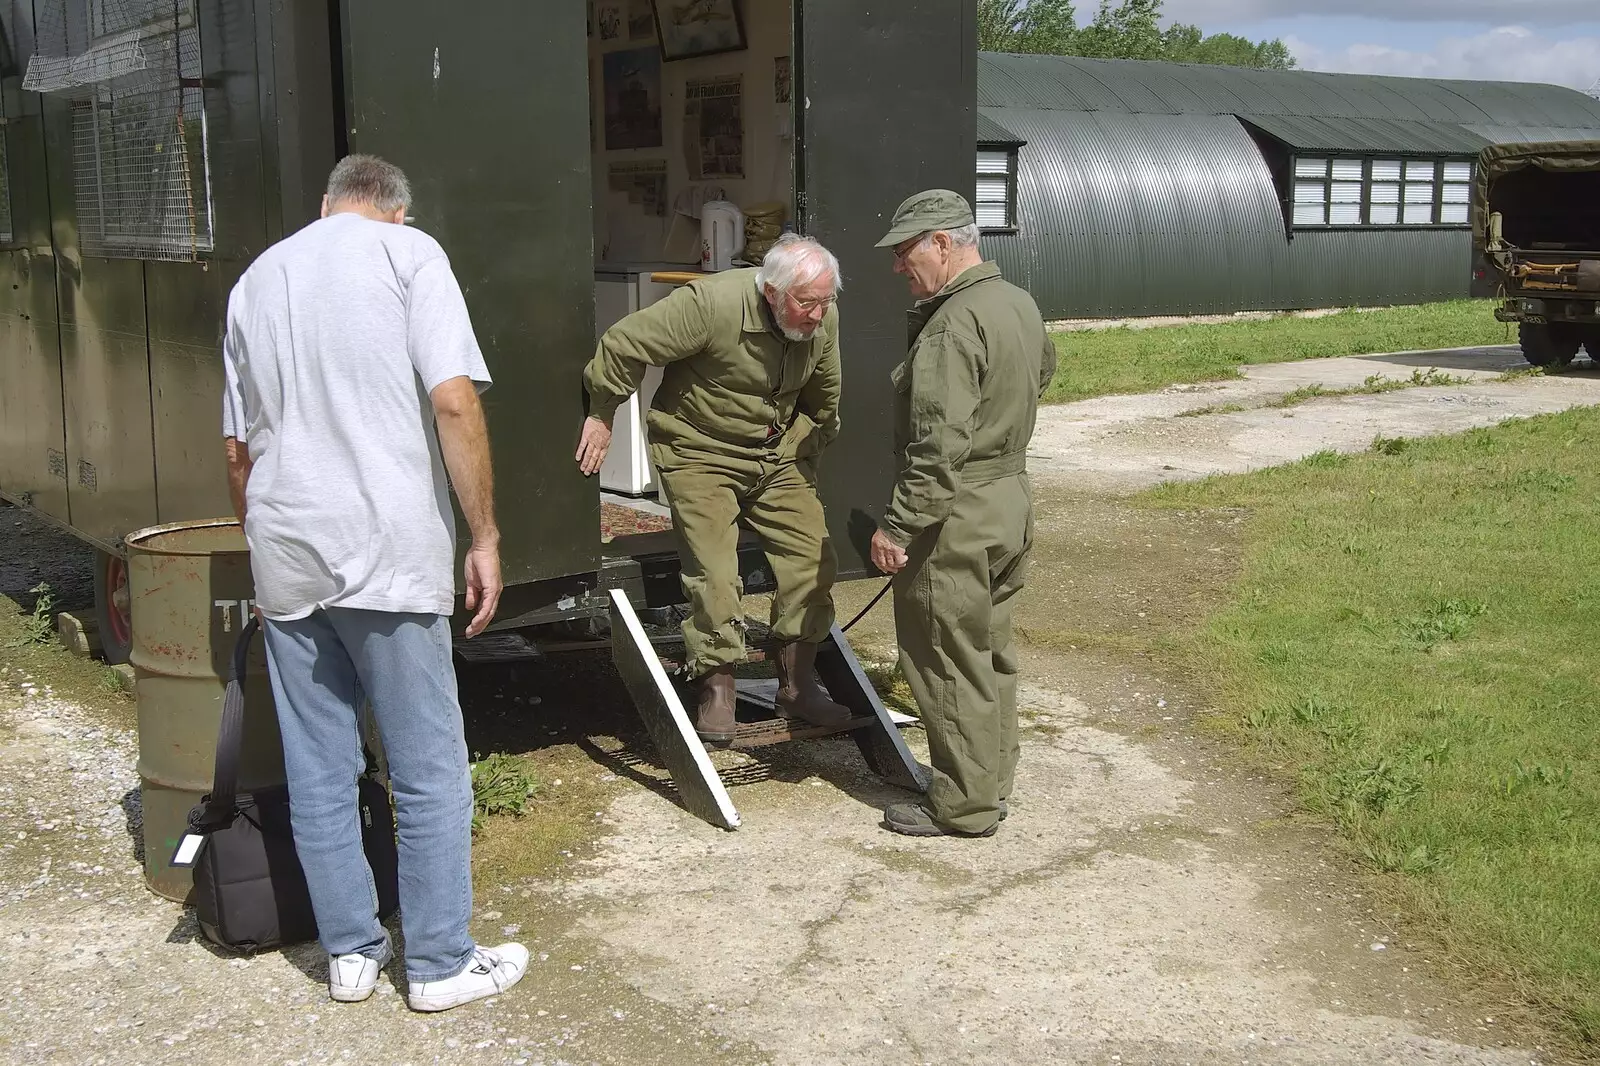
{"type": "Point", "coordinates": [1548, 346]}
{"type": "Point", "coordinates": [111, 609]}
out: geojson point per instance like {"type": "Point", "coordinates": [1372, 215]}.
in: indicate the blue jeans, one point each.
{"type": "Point", "coordinates": [321, 665]}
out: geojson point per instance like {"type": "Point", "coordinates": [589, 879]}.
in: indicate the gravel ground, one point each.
{"type": "Point", "coordinates": [1146, 902]}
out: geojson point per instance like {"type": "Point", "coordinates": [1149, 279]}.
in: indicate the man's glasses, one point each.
{"type": "Point", "coordinates": [809, 306]}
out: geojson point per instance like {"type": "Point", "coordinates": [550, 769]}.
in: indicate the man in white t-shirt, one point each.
{"type": "Point", "coordinates": [352, 381]}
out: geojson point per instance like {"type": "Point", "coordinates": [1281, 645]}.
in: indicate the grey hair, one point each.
{"type": "Point", "coordinates": [366, 179]}
{"type": "Point", "coordinates": [961, 237]}
{"type": "Point", "coordinates": [795, 261]}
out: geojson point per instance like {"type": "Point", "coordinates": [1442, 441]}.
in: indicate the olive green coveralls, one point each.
{"type": "Point", "coordinates": [966, 400]}
{"type": "Point", "coordinates": [737, 425]}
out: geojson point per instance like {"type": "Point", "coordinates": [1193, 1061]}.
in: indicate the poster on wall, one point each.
{"type": "Point", "coordinates": [698, 27]}
{"type": "Point", "coordinates": [610, 20]}
{"type": "Point", "coordinates": [645, 183]}
{"type": "Point", "coordinates": [713, 127]}
{"type": "Point", "coordinates": [641, 21]}
{"type": "Point", "coordinates": [780, 80]}
{"type": "Point", "coordinates": [632, 81]}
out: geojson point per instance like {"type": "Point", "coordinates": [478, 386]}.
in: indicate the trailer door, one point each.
{"type": "Point", "coordinates": [886, 107]}
{"type": "Point", "coordinates": [487, 111]}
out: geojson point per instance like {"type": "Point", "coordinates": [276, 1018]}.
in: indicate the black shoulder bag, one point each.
{"type": "Point", "coordinates": [249, 889]}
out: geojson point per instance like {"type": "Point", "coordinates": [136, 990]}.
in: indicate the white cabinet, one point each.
{"type": "Point", "coordinates": [627, 469]}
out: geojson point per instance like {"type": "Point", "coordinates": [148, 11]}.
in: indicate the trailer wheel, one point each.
{"type": "Point", "coordinates": [111, 607]}
{"type": "Point", "coordinates": [1549, 346]}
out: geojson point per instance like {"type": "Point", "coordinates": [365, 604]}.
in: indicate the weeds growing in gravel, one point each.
{"type": "Point", "coordinates": [501, 784]}
{"type": "Point", "coordinates": [39, 625]}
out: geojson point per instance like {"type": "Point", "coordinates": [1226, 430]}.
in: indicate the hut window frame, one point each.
{"type": "Point", "coordinates": [986, 175]}
{"type": "Point", "coordinates": [1342, 191]}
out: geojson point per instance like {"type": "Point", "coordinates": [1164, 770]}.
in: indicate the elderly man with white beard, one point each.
{"type": "Point", "coordinates": [748, 400]}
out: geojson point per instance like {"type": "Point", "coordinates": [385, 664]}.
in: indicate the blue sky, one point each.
{"type": "Point", "coordinates": [1524, 40]}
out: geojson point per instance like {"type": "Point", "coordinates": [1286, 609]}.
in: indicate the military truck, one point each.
{"type": "Point", "coordinates": [1536, 242]}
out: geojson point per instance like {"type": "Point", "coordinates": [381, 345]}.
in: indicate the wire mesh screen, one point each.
{"type": "Point", "coordinates": [6, 235]}
{"type": "Point", "coordinates": [131, 69]}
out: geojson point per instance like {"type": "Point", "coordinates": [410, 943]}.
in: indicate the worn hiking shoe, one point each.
{"type": "Point", "coordinates": [799, 695]}
{"type": "Point", "coordinates": [915, 820]}
{"type": "Point", "coordinates": [490, 972]}
{"type": "Point", "coordinates": [351, 978]}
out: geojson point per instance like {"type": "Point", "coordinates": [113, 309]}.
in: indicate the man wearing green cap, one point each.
{"type": "Point", "coordinates": [959, 525]}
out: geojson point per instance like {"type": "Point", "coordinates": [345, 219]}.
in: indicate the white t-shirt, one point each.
{"type": "Point", "coordinates": [335, 338]}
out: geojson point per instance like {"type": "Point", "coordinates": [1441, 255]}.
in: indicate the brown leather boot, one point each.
{"type": "Point", "coordinates": [799, 695]}
{"type": "Point", "coordinates": [714, 722]}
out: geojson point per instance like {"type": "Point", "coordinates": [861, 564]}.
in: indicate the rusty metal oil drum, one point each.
{"type": "Point", "coordinates": [191, 592]}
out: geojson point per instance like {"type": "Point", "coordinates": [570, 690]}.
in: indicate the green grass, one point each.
{"type": "Point", "coordinates": [1124, 360]}
{"type": "Point", "coordinates": [1414, 635]}
{"type": "Point", "coordinates": [501, 784]}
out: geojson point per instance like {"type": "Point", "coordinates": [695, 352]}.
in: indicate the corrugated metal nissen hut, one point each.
{"type": "Point", "coordinates": [1124, 188]}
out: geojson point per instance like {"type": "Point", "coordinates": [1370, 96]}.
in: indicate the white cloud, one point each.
{"type": "Point", "coordinates": [1507, 53]}
{"type": "Point", "coordinates": [1523, 12]}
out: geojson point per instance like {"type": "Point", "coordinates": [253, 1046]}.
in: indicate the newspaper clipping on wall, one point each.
{"type": "Point", "coordinates": [713, 127]}
{"type": "Point", "coordinates": [645, 183]}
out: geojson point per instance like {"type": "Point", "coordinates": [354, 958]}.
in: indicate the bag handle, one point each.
{"type": "Point", "coordinates": [220, 806]}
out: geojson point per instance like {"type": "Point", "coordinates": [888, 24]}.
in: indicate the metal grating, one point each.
{"type": "Point", "coordinates": [6, 236]}
{"type": "Point", "coordinates": [140, 154]}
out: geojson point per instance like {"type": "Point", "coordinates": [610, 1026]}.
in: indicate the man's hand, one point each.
{"type": "Point", "coordinates": [483, 585]}
{"type": "Point", "coordinates": [593, 445]}
{"type": "Point", "coordinates": [887, 555]}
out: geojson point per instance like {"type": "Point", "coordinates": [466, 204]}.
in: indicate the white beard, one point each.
{"type": "Point", "coordinates": [796, 335]}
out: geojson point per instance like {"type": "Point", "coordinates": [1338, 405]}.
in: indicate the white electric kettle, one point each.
{"type": "Point", "coordinates": [721, 234]}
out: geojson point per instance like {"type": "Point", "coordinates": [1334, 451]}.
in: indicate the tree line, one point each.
{"type": "Point", "coordinates": [1130, 30]}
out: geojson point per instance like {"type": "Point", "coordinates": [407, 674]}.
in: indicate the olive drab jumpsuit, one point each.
{"type": "Point", "coordinates": [736, 427]}
{"type": "Point", "coordinates": [966, 399]}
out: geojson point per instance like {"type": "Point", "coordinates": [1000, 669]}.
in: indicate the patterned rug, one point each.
{"type": "Point", "coordinates": [619, 521]}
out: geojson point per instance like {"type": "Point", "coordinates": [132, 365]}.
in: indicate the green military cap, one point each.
{"type": "Point", "coordinates": [934, 209]}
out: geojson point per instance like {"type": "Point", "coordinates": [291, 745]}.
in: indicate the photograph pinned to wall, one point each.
{"type": "Point", "coordinates": [780, 80]}
{"type": "Point", "coordinates": [698, 27]}
{"type": "Point", "coordinates": [632, 81]}
{"type": "Point", "coordinates": [645, 183]}
{"type": "Point", "coordinates": [641, 21]}
{"type": "Point", "coordinates": [610, 20]}
{"type": "Point", "coordinates": [713, 127]}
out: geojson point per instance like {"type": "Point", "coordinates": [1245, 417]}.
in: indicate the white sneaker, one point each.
{"type": "Point", "coordinates": [351, 978]}
{"type": "Point", "coordinates": [491, 972]}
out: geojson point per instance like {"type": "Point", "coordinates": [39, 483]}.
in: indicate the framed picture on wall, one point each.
{"type": "Point", "coordinates": [691, 28]}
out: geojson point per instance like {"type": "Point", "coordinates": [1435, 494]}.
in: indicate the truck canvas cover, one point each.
{"type": "Point", "coordinates": [1500, 160]}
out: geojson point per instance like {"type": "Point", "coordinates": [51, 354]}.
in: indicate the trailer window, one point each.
{"type": "Point", "coordinates": [141, 142]}
{"type": "Point", "coordinates": [1369, 191]}
{"type": "Point", "coordinates": [995, 205]}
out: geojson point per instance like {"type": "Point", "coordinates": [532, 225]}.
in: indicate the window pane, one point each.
{"type": "Point", "coordinates": [1310, 192]}
{"type": "Point", "coordinates": [1310, 214]}
{"type": "Point", "coordinates": [994, 162]}
{"type": "Point", "coordinates": [991, 216]}
{"type": "Point", "coordinates": [1385, 194]}
{"type": "Point", "coordinates": [1386, 170]}
{"type": "Point", "coordinates": [1310, 168]}
{"type": "Point", "coordinates": [1385, 214]}
{"type": "Point", "coordinates": [1454, 213]}
{"type": "Point", "coordinates": [1416, 171]}
{"type": "Point", "coordinates": [1346, 192]}
{"type": "Point", "coordinates": [992, 189]}
{"type": "Point", "coordinates": [1419, 214]}
{"type": "Point", "coordinates": [1347, 170]}
{"type": "Point", "coordinates": [1456, 194]}
{"type": "Point", "coordinates": [1419, 194]}
{"type": "Point", "coordinates": [1458, 172]}
{"type": "Point", "coordinates": [1345, 215]}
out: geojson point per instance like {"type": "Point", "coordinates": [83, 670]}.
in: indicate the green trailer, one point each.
{"type": "Point", "coordinates": [152, 148]}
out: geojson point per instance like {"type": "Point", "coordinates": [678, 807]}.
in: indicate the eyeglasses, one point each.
{"type": "Point", "coordinates": [809, 306]}
{"type": "Point", "coordinates": [903, 250]}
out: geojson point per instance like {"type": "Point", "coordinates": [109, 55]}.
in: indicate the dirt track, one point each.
{"type": "Point", "coordinates": [1144, 903]}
